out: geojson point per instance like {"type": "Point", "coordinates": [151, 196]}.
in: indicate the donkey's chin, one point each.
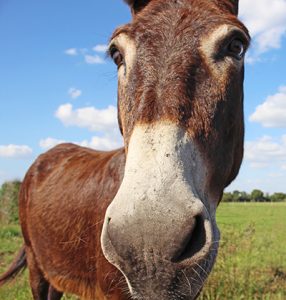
{"type": "Point", "coordinates": [180, 279]}
{"type": "Point", "coordinates": [184, 283]}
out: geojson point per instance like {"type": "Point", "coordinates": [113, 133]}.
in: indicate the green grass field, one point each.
{"type": "Point", "coordinates": [251, 263]}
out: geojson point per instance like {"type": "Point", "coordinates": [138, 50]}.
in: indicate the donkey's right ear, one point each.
{"type": "Point", "coordinates": [137, 5]}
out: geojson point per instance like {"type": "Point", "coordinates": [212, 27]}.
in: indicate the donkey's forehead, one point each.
{"type": "Point", "coordinates": [182, 17]}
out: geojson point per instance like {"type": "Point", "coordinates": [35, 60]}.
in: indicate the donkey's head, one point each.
{"type": "Point", "coordinates": [180, 97]}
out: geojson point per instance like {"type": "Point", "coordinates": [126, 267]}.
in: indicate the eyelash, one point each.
{"type": "Point", "coordinates": [118, 59]}
{"type": "Point", "coordinates": [111, 50]}
{"type": "Point", "coordinates": [223, 49]}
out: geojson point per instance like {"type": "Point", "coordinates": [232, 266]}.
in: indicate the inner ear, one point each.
{"type": "Point", "coordinates": [137, 5]}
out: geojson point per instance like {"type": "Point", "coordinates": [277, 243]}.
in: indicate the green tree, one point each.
{"type": "Point", "coordinates": [235, 196]}
{"type": "Point", "coordinates": [244, 197]}
{"type": "Point", "coordinates": [278, 197]}
{"type": "Point", "coordinates": [227, 197]}
{"type": "Point", "coordinates": [257, 196]}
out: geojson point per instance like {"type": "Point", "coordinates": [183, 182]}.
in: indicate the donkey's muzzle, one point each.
{"type": "Point", "coordinates": [177, 241]}
{"type": "Point", "coordinates": [157, 225]}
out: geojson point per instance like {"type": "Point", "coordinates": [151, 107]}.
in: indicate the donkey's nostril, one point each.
{"type": "Point", "coordinates": [194, 242]}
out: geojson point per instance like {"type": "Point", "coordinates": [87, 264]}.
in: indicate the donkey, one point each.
{"type": "Point", "coordinates": [139, 222]}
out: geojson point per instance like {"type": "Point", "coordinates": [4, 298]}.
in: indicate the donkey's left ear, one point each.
{"type": "Point", "coordinates": [137, 5]}
{"type": "Point", "coordinates": [229, 5]}
{"type": "Point", "coordinates": [234, 4]}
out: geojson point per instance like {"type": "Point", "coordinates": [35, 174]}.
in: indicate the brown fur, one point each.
{"type": "Point", "coordinates": [61, 218]}
{"type": "Point", "coordinates": [67, 190]}
{"type": "Point", "coordinates": [78, 204]}
{"type": "Point", "coordinates": [171, 80]}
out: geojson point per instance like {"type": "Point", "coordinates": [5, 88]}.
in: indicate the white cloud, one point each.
{"type": "Point", "coordinates": [107, 142]}
{"type": "Point", "coordinates": [266, 152]}
{"type": "Point", "coordinates": [259, 165]}
{"type": "Point", "coordinates": [93, 59]}
{"type": "Point", "coordinates": [104, 143]}
{"type": "Point", "coordinates": [15, 151]}
{"type": "Point", "coordinates": [103, 121]}
{"type": "Point", "coordinates": [266, 21]}
{"type": "Point", "coordinates": [71, 52]}
{"type": "Point", "coordinates": [251, 59]}
{"type": "Point", "coordinates": [272, 113]}
{"type": "Point", "coordinates": [100, 48]}
{"type": "Point", "coordinates": [264, 166]}
{"type": "Point", "coordinates": [276, 175]}
{"type": "Point", "coordinates": [49, 143]}
{"type": "Point", "coordinates": [74, 93]}
{"type": "Point", "coordinates": [88, 117]}
{"type": "Point", "coordinates": [88, 58]}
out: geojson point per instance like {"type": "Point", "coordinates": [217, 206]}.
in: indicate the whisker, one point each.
{"type": "Point", "coordinates": [202, 269]}
{"type": "Point", "coordinates": [199, 276]}
{"type": "Point", "coordinates": [188, 282]}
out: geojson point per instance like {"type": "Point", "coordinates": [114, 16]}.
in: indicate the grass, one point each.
{"type": "Point", "coordinates": [251, 264]}
{"type": "Point", "coordinates": [10, 242]}
{"type": "Point", "coordinates": [252, 258]}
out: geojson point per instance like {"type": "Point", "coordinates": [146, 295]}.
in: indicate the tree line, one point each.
{"type": "Point", "coordinates": [254, 196]}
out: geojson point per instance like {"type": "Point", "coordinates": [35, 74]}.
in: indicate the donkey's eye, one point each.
{"type": "Point", "coordinates": [236, 48]}
{"type": "Point", "coordinates": [116, 56]}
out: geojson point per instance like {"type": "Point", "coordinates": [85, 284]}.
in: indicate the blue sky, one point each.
{"type": "Point", "coordinates": [56, 84]}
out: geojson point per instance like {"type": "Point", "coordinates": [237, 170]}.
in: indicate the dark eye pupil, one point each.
{"type": "Point", "coordinates": [236, 47]}
{"type": "Point", "coordinates": [117, 58]}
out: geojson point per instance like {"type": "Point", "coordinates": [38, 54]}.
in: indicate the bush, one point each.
{"type": "Point", "coordinates": [9, 202]}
